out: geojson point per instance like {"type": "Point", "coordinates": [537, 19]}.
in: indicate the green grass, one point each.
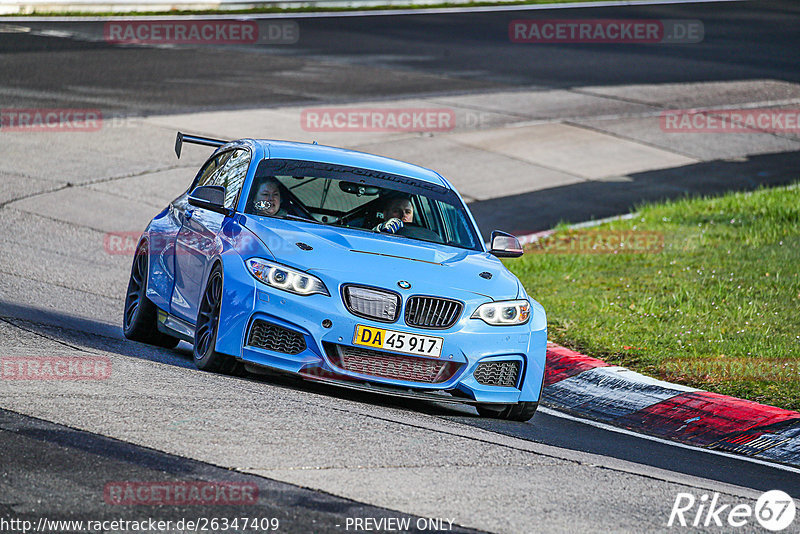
{"type": "Point", "coordinates": [273, 9]}
{"type": "Point", "coordinates": [717, 308]}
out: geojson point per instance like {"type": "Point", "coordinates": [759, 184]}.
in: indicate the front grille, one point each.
{"type": "Point", "coordinates": [390, 365]}
{"type": "Point", "coordinates": [269, 336]}
{"type": "Point", "coordinates": [497, 373]}
{"type": "Point", "coordinates": [372, 303]}
{"type": "Point", "coordinates": [432, 312]}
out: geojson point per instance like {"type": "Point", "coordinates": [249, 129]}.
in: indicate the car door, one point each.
{"type": "Point", "coordinates": [197, 242]}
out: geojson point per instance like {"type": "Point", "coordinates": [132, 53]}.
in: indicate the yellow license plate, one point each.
{"type": "Point", "coordinates": [403, 342]}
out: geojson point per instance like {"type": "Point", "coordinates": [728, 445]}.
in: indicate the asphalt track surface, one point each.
{"type": "Point", "coordinates": [324, 443]}
{"type": "Point", "coordinates": [353, 58]}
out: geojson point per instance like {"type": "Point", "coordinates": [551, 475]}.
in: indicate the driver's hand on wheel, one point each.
{"type": "Point", "coordinates": [391, 226]}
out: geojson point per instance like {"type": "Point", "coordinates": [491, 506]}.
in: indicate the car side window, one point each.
{"type": "Point", "coordinates": [231, 175]}
{"type": "Point", "coordinates": [207, 171]}
{"type": "Point", "coordinates": [457, 226]}
{"type": "Point", "coordinates": [211, 168]}
{"type": "Point", "coordinates": [425, 216]}
{"type": "Point", "coordinates": [201, 178]}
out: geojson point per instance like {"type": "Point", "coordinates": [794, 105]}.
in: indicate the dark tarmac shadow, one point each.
{"type": "Point", "coordinates": [58, 472]}
{"type": "Point", "coordinates": [584, 201]}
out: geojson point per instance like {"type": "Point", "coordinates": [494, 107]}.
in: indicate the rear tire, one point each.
{"type": "Point", "coordinates": [140, 317]}
{"type": "Point", "coordinates": [522, 411]}
{"type": "Point", "coordinates": [206, 357]}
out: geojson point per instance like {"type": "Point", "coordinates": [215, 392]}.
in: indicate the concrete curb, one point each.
{"type": "Point", "coordinates": [592, 388]}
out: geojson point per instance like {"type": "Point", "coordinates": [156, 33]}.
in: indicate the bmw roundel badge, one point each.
{"type": "Point", "coordinates": [402, 284]}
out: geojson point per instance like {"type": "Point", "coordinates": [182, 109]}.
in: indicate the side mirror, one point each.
{"type": "Point", "coordinates": [505, 245]}
{"type": "Point", "coordinates": [210, 197]}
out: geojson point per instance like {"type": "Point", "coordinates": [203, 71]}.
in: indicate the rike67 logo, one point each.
{"type": "Point", "coordinates": [774, 510]}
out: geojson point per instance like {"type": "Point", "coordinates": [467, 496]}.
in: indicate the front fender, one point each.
{"type": "Point", "coordinates": [537, 355]}
{"type": "Point", "coordinates": [238, 285]}
{"type": "Point", "coordinates": [538, 316]}
{"type": "Point", "coordinates": [238, 302]}
{"type": "Point", "coordinates": [160, 236]}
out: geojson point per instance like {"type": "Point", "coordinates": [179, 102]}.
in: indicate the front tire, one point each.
{"type": "Point", "coordinates": [206, 357]}
{"type": "Point", "coordinates": [522, 411]}
{"type": "Point", "coordinates": [139, 321]}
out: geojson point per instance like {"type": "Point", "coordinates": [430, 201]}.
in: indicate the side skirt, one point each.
{"type": "Point", "coordinates": [169, 324]}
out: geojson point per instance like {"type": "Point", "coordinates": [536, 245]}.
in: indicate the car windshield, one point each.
{"type": "Point", "coordinates": [362, 199]}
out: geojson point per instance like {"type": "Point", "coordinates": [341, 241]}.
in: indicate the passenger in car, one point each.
{"type": "Point", "coordinates": [267, 200]}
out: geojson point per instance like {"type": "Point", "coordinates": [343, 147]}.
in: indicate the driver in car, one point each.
{"type": "Point", "coordinates": [268, 198]}
{"type": "Point", "coordinates": [397, 212]}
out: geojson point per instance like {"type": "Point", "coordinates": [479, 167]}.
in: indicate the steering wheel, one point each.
{"type": "Point", "coordinates": [419, 232]}
{"type": "Point", "coordinates": [294, 207]}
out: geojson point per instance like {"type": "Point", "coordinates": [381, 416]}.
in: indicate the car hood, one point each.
{"type": "Point", "coordinates": [381, 260]}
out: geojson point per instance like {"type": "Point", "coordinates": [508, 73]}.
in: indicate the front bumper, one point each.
{"type": "Point", "coordinates": [466, 344]}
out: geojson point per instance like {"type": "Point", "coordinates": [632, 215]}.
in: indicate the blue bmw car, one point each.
{"type": "Point", "coordinates": [340, 267]}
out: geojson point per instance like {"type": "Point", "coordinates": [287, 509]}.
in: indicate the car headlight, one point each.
{"type": "Point", "coordinates": [285, 278]}
{"type": "Point", "coordinates": [504, 313]}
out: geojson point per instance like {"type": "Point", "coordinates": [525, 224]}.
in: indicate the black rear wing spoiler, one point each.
{"type": "Point", "coordinates": [197, 140]}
